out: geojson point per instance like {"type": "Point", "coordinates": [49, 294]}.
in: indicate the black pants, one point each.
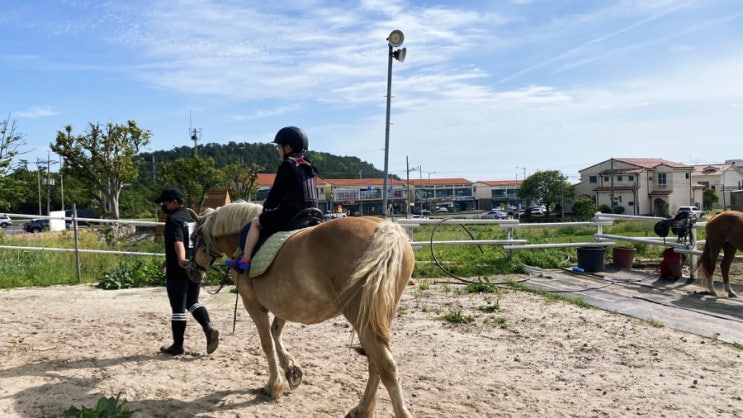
{"type": "Point", "coordinates": [184, 294]}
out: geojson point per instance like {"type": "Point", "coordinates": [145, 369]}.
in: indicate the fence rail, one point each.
{"type": "Point", "coordinates": [510, 244]}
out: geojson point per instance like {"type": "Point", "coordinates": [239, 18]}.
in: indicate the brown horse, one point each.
{"type": "Point", "coordinates": [355, 267]}
{"type": "Point", "coordinates": [724, 232]}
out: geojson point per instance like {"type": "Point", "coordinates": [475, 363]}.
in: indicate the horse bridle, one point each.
{"type": "Point", "coordinates": [211, 257]}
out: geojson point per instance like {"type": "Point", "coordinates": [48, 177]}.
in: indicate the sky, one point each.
{"type": "Point", "coordinates": [488, 90]}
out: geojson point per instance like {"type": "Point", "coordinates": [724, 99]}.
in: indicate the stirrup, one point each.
{"type": "Point", "coordinates": [243, 264]}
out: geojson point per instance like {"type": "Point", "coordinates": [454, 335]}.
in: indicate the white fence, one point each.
{"type": "Point", "coordinates": [600, 220]}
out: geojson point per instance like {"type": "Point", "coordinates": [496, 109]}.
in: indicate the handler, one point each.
{"type": "Point", "coordinates": [182, 292]}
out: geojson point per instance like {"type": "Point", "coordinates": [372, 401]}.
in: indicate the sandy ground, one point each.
{"type": "Point", "coordinates": [64, 346]}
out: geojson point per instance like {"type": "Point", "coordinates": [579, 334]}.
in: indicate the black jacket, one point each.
{"type": "Point", "coordinates": [294, 189]}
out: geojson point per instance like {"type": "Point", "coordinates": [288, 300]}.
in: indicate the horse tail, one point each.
{"type": "Point", "coordinates": [374, 282]}
{"type": "Point", "coordinates": [706, 263]}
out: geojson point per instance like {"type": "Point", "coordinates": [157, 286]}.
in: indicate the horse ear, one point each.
{"type": "Point", "coordinates": [195, 216]}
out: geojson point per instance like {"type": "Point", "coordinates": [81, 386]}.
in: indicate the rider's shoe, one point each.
{"type": "Point", "coordinates": [243, 264]}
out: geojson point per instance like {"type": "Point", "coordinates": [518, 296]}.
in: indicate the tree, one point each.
{"type": "Point", "coordinates": [584, 208]}
{"type": "Point", "coordinates": [103, 159]}
{"type": "Point", "coordinates": [193, 176]}
{"type": "Point", "coordinates": [10, 140]}
{"type": "Point", "coordinates": [709, 198]}
{"type": "Point", "coordinates": [546, 187]}
{"type": "Point", "coordinates": [241, 179]}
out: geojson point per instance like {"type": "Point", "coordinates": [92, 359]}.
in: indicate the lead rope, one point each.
{"type": "Point", "coordinates": [237, 295]}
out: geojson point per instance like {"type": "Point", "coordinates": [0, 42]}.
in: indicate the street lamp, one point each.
{"type": "Point", "coordinates": [395, 39]}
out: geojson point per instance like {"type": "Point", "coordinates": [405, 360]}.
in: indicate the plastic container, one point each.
{"type": "Point", "coordinates": [591, 259]}
{"type": "Point", "coordinates": [623, 257]}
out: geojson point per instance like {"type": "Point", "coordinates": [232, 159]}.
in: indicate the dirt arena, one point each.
{"type": "Point", "coordinates": [66, 346]}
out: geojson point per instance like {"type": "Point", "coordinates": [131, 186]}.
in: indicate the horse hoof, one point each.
{"type": "Point", "coordinates": [293, 376]}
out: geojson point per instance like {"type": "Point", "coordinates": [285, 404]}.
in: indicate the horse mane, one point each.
{"type": "Point", "coordinates": [229, 219]}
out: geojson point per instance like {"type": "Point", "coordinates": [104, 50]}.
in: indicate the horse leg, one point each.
{"type": "Point", "coordinates": [292, 371]}
{"type": "Point", "coordinates": [727, 259]}
{"type": "Point", "coordinates": [381, 366]}
{"type": "Point", "coordinates": [368, 401]}
{"type": "Point", "coordinates": [275, 386]}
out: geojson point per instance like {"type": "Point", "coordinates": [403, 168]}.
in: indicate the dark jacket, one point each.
{"type": "Point", "coordinates": [294, 189]}
{"type": "Point", "coordinates": [176, 230]}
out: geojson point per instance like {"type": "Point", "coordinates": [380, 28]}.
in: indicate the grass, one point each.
{"type": "Point", "coordinates": [484, 260]}
{"type": "Point", "coordinates": [457, 318]}
{"type": "Point", "coordinates": [655, 323]}
{"type": "Point", "coordinates": [105, 408]}
{"type": "Point", "coordinates": [550, 297]}
{"type": "Point", "coordinates": [20, 268]}
{"type": "Point", "coordinates": [44, 267]}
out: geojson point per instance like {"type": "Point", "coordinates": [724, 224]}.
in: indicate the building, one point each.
{"type": "Point", "coordinates": [454, 194]}
{"type": "Point", "coordinates": [499, 194]}
{"type": "Point", "coordinates": [722, 178]}
{"type": "Point", "coordinates": [641, 186]}
{"type": "Point", "coordinates": [363, 196]}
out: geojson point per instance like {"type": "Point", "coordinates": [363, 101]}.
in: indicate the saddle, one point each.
{"type": "Point", "coordinates": [272, 241]}
{"type": "Point", "coordinates": [306, 217]}
{"type": "Point", "coordinates": [680, 225]}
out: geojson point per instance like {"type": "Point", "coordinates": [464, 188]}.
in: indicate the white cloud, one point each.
{"type": "Point", "coordinates": [35, 112]}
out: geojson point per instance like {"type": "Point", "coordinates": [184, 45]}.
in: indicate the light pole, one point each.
{"type": "Point", "coordinates": [395, 39]}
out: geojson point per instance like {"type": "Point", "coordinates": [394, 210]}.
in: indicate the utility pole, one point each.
{"type": "Point", "coordinates": [361, 202]}
{"type": "Point", "coordinates": [49, 181]}
{"type": "Point", "coordinates": [61, 180]}
{"type": "Point", "coordinates": [195, 135]}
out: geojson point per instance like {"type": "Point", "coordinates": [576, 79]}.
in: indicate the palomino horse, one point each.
{"type": "Point", "coordinates": [357, 267]}
{"type": "Point", "coordinates": [724, 232]}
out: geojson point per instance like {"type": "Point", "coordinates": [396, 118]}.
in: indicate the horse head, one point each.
{"type": "Point", "coordinates": [201, 258]}
{"type": "Point", "coordinates": [211, 226]}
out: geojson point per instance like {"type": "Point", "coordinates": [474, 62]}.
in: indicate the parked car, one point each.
{"type": "Point", "coordinates": [442, 209]}
{"type": "Point", "coordinates": [5, 221]}
{"type": "Point", "coordinates": [497, 214]}
{"type": "Point", "coordinates": [691, 209]}
{"type": "Point", "coordinates": [335, 215]}
{"type": "Point", "coordinates": [36, 225]}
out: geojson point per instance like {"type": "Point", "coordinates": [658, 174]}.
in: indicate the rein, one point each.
{"type": "Point", "coordinates": [199, 239]}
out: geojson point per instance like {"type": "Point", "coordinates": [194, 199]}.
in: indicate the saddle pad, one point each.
{"type": "Point", "coordinates": [265, 255]}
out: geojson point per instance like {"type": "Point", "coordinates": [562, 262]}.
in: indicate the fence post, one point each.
{"type": "Point", "coordinates": [693, 257]}
{"type": "Point", "coordinates": [77, 243]}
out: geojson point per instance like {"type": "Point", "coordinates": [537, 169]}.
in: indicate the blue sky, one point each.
{"type": "Point", "coordinates": [488, 89]}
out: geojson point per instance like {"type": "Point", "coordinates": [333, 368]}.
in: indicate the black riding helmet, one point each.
{"type": "Point", "coordinates": [292, 136]}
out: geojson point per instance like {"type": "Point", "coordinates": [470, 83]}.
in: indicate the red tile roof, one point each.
{"type": "Point", "coordinates": [440, 182]}
{"type": "Point", "coordinates": [495, 183]}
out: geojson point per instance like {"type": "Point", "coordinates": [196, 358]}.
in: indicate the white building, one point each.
{"type": "Point", "coordinates": [722, 178]}
{"type": "Point", "coordinates": [642, 186]}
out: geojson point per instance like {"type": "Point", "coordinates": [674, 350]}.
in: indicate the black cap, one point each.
{"type": "Point", "coordinates": [171, 193]}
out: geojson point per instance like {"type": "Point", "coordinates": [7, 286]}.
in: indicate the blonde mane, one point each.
{"type": "Point", "coordinates": [229, 219]}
